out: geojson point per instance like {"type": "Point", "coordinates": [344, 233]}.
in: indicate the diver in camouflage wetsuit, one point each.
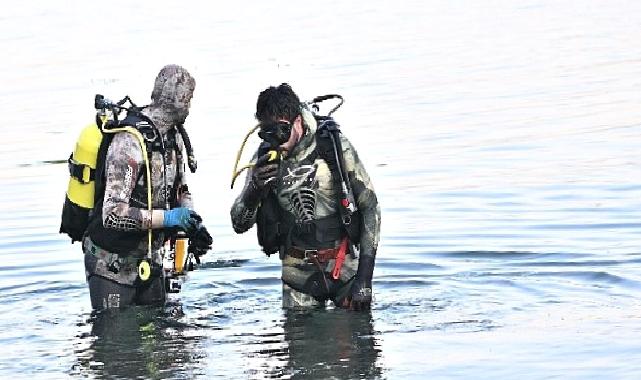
{"type": "Point", "coordinates": [307, 195]}
{"type": "Point", "coordinates": [117, 235]}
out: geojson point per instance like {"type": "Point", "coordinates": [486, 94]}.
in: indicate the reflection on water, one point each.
{"type": "Point", "coordinates": [137, 343]}
{"type": "Point", "coordinates": [153, 343]}
{"type": "Point", "coordinates": [320, 344]}
{"type": "Point", "coordinates": [502, 138]}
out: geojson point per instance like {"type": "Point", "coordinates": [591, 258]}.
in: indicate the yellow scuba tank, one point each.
{"type": "Point", "coordinates": [79, 199]}
{"type": "Point", "coordinates": [81, 187]}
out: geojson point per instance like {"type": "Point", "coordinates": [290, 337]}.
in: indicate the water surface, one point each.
{"type": "Point", "coordinates": [502, 138]}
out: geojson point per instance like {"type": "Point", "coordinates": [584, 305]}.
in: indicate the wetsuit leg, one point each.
{"type": "Point", "coordinates": [107, 294]}
{"type": "Point", "coordinates": [152, 293]}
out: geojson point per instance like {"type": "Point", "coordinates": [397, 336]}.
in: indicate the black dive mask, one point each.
{"type": "Point", "coordinates": [275, 133]}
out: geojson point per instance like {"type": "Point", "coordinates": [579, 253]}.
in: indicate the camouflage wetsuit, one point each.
{"type": "Point", "coordinates": [309, 193]}
{"type": "Point", "coordinates": [111, 276]}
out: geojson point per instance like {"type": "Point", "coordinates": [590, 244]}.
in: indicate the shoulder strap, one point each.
{"type": "Point", "coordinates": [329, 147]}
{"type": "Point", "coordinates": [135, 129]}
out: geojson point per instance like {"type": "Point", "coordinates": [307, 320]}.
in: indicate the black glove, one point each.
{"type": "Point", "coordinates": [199, 242]}
{"type": "Point", "coordinates": [263, 176]}
{"type": "Point", "coordinates": [360, 294]}
{"type": "Point", "coordinates": [264, 172]}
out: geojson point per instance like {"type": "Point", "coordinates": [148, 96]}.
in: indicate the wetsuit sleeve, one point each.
{"type": "Point", "coordinates": [124, 165]}
{"type": "Point", "coordinates": [365, 198]}
{"type": "Point", "coordinates": [243, 211]}
{"type": "Point", "coordinates": [185, 198]}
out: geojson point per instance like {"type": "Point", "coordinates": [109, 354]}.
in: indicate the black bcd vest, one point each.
{"type": "Point", "coordinates": [278, 230]}
{"type": "Point", "coordinates": [123, 242]}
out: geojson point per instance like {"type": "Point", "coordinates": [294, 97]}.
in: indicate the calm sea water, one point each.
{"type": "Point", "coordinates": [502, 138]}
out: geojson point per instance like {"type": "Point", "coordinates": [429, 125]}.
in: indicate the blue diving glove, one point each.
{"type": "Point", "coordinates": [181, 217]}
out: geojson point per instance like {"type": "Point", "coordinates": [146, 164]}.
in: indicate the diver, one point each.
{"type": "Point", "coordinates": [313, 202]}
{"type": "Point", "coordinates": [125, 237]}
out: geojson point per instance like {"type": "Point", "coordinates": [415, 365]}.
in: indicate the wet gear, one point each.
{"type": "Point", "coordinates": [79, 199]}
{"type": "Point", "coordinates": [304, 211]}
{"type": "Point", "coordinates": [86, 178]}
{"type": "Point", "coordinates": [275, 228]}
{"type": "Point", "coordinates": [76, 215]}
{"type": "Point", "coordinates": [122, 236]}
{"type": "Point", "coordinates": [113, 246]}
{"type": "Point", "coordinates": [83, 162]}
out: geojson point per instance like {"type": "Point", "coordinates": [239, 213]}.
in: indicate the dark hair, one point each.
{"type": "Point", "coordinates": [277, 102]}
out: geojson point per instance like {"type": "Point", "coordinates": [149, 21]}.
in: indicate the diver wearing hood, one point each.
{"type": "Point", "coordinates": [124, 230]}
{"type": "Point", "coordinates": [297, 201]}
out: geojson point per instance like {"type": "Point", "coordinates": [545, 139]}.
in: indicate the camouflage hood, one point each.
{"type": "Point", "coordinates": [171, 97]}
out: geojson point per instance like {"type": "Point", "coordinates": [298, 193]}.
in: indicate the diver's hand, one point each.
{"type": "Point", "coordinates": [359, 298]}
{"type": "Point", "coordinates": [360, 294]}
{"type": "Point", "coordinates": [200, 242]}
{"type": "Point", "coordinates": [181, 217]}
{"type": "Point", "coordinates": [264, 175]}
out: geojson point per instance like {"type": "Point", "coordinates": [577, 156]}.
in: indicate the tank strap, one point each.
{"type": "Point", "coordinates": [82, 172]}
{"type": "Point", "coordinates": [329, 148]}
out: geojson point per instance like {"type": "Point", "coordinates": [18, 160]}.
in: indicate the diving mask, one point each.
{"type": "Point", "coordinates": [275, 133]}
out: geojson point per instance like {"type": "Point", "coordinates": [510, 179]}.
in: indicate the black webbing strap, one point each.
{"type": "Point", "coordinates": [82, 172]}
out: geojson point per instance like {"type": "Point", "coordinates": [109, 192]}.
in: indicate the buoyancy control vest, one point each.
{"type": "Point", "coordinates": [278, 230]}
{"type": "Point", "coordinates": [123, 242]}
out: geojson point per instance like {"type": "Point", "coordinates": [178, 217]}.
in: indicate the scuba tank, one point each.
{"type": "Point", "coordinates": [79, 198]}
{"type": "Point", "coordinates": [82, 163]}
{"type": "Point", "coordinates": [81, 182]}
